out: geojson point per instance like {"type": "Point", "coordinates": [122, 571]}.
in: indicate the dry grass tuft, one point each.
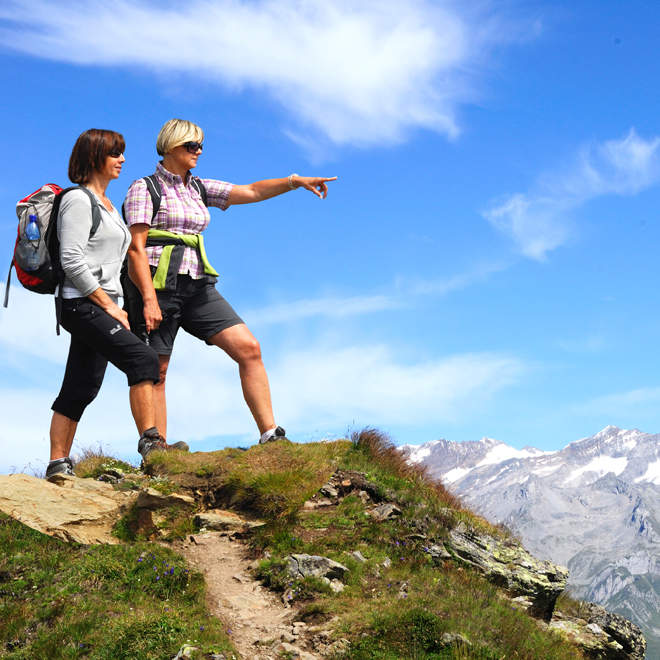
{"type": "Point", "coordinates": [382, 450]}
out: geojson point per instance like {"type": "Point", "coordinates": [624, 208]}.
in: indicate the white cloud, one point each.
{"type": "Point", "coordinates": [367, 383]}
{"type": "Point", "coordinates": [358, 73]}
{"type": "Point", "coordinates": [324, 386]}
{"type": "Point", "coordinates": [402, 295]}
{"type": "Point", "coordinates": [540, 221]}
{"type": "Point", "coordinates": [331, 307]}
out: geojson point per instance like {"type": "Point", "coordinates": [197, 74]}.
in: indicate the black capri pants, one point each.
{"type": "Point", "coordinates": [96, 339]}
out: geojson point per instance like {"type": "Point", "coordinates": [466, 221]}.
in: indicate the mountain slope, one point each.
{"type": "Point", "coordinates": [594, 507]}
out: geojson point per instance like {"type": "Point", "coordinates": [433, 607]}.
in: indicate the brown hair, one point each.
{"type": "Point", "coordinates": [90, 151]}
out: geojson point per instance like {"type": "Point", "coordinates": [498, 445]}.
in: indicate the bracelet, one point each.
{"type": "Point", "coordinates": [291, 185]}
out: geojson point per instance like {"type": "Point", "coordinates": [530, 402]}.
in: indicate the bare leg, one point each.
{"type": "Point", "coordinates": [62, 431]}
{"type": "Point", "coordinates": [239, 343]}
{"type": "Point", "coordinates": [141, 397]}
{"type": "Point", "coordinates": [160, 403]}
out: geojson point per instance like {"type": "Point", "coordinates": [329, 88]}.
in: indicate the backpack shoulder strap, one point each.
{"type": "Point", "coordinates": [155, 191]}
{"type": "Point", "coordinates": [96, 210]}
{"type": "Point", "coordinates": [197, 183]}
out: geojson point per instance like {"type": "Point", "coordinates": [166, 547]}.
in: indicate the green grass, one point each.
{"type": "Point", "coordinates": [62, 600]}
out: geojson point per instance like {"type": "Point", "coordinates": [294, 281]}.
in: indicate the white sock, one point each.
{"type": "Point", "coordinates": [268, 434]}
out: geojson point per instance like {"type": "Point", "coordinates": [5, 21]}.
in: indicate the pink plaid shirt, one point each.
{"type": "Point", "coordinates": [181, 211]}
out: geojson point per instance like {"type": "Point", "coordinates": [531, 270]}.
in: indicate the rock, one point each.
{"type": "Point", "coordinates": [219, 520]}
{"type": "Point", "coordinates": [71, 509]}
{"type": "Point", "coordinates": [364, 496]}
{"type": "Point", "coordinates": [340, 647]}
{"type": "Point", "coordinates": [311, 505]}
{"type": "Point", "coordinates": [336, 585]}
{"type": "Point", "coordinates": [358, 556]}
{"type": "Point", "coordinates": [293, 652]}
{"type": "Point", "coordinates": [108, 478]}
{"type": "Point", "coordinates": [385, 511]}
{"type": "Point", "coordinates": [186, 651]}
{"type": "Point", "coordinates": [347, 481]}
{"type": "Point", "coordinates": [438, 553]}
{"type": "Point", "coordinates": [593, 645]}
{"type": "Point", "coordinates": [455, 639]}
{"type": "Point", "coordinates": [302, 566]}
{"type": "Point", "coordinates": [507, 564]}
{"type": "Point", "coordinates": [622, 631]}
{"type": "Point", "coordinates": [386, 563]}
{"type": "Point", "coordinates": [151, 499]}
{"type": "Point", "coordinates": [329, 491]}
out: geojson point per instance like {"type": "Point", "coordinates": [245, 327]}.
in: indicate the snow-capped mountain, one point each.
{"type": "Point", "coordinates": [593, 506]}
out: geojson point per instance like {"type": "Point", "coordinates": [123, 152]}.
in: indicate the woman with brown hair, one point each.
{"type": "Point", "coordinates": [91, 262]}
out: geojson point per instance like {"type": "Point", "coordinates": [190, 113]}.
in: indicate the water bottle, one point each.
{"type": "Point", "coordinates": [33, 235]}
{"type": "Point", "coordinates": [32, 230]}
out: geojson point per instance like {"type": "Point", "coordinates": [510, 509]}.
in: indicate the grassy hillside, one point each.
{"type": "Point", "coordinates": [126, 601]}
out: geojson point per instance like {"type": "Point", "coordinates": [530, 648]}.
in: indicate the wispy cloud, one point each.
{"type": "Point", "coordinates": [354, 73]}
{"type": "Point", "coordinates": [401, 295]}
{"type": "Point", "coordinates": [540, 221]}
{"type": "Point", "coordinates": [337, 307]}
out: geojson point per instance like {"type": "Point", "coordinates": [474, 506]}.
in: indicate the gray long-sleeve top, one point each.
{"type": "Point", "coordinates": [90, 263]}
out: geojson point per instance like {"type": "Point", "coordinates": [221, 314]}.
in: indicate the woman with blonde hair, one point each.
{"type": "Point", "coordinates": [167, 213]}
{"type": "Point", "coordinates": [91, 261]}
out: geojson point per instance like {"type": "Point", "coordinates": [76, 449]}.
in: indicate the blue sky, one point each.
{"type": "Point", "coordinates": [486, 263]}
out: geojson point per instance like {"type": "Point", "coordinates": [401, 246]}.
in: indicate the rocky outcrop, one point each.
{"type": "Point", "coordinates": [507, 564]}
{"type": "Point", "coordinates": [225, 521]}
{"type": "Point", "coordinates": [622, 631]}
{"type": "Point", "coordinates": [80, 510]}
{"type": "Point", "coordinates": [302, 566]}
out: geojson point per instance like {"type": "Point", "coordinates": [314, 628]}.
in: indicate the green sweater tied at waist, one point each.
{"type": "Point", "coordinates": [172, 256]}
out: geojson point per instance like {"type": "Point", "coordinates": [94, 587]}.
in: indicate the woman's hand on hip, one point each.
{"type": "Point", "coordinates": [118, 313]}
{"type": "Point", "coordinates": [152, 314]}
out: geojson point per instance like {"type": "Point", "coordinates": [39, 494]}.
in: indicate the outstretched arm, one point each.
{"type": "Point", "coordinates": [261, 190]}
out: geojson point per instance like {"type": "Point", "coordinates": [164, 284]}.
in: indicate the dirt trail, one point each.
{"type": "Point", "coordinates": [256, 618]}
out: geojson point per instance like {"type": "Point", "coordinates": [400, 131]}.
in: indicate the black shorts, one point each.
{"type": "Point", "coordinates": [197, 307]}
{"type": "Point", "coordinates": [96, 339]}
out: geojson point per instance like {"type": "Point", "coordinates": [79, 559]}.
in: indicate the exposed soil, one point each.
{"type": "Point", "coordinates": [256, 618]}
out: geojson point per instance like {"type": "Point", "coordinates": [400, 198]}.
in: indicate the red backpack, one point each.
{"type": "Point", "coordinates": [37, 250]}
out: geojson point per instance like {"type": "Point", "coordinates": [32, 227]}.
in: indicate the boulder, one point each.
{"type": "Point", "coordinates": [72, 509]}
{"type": "Point", "coordinates": [302, 566]}
{"type": "Point", "coordinates": [151, 499]}
{"type": "Point", "coordinates": [622, 631]}
{"type": "Point", "coordinates": [220, 520]}
{"type": "Point", "coordinates": [506, 563]}
{"type": "Point", "coordinates": [594, 642]}
{"type": "Point", "coordinates": [385, 511]}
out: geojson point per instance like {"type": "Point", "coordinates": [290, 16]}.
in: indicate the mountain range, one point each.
{"type": "Point", "coordinates": [593, 506]}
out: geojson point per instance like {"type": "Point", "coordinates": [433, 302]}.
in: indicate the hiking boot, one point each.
{"type": "Point", "coordinates": [151, 440]}
{"type": "Point", "coordinates": [60, 466]}
{"type": "Point", "coordinates": [278, 434]}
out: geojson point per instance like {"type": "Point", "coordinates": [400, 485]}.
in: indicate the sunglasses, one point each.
{"type": "Point", "coordinates": [193, 147]}
{"type": "Point", "coordinates": [115, 153]}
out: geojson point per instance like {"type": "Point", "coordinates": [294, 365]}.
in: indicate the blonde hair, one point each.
{"type": "Point", "coordinates": [176, 132]}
